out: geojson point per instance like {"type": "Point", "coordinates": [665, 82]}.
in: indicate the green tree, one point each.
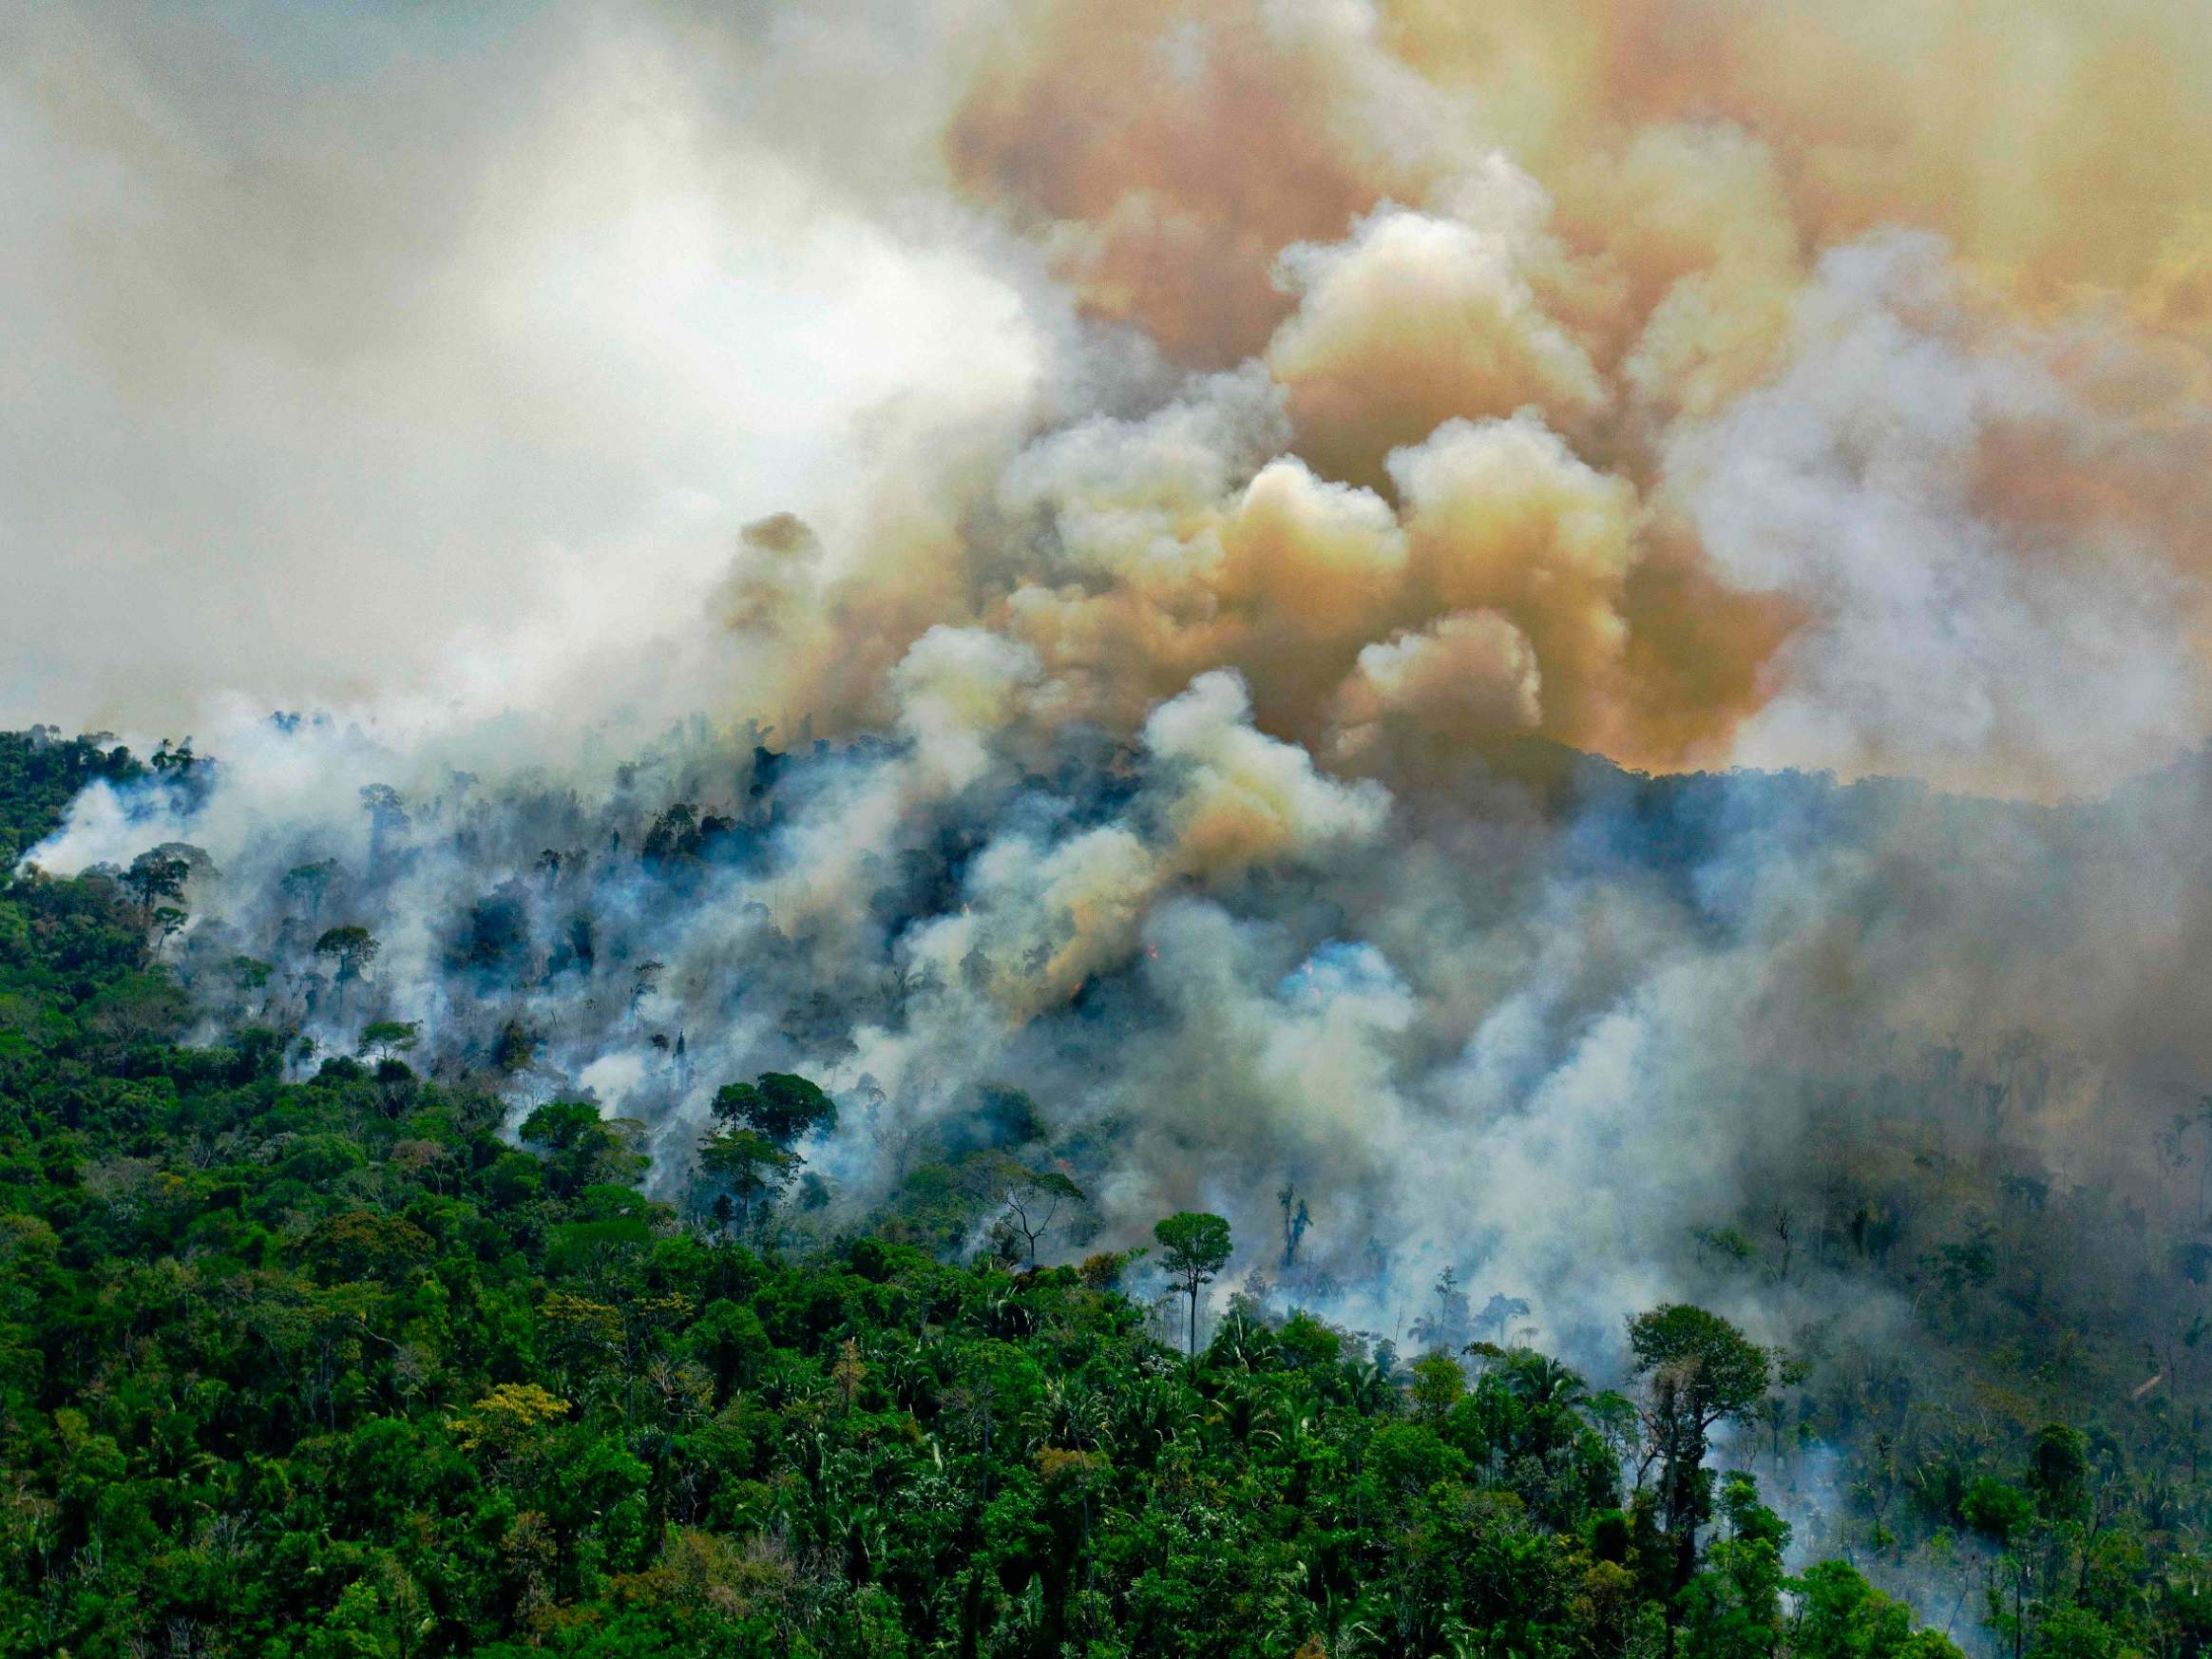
{"type": "Point", "coordinates": [751, 1170]}
{"type": "Point", "coordinates": [2000, 1512]}
{"type": "Point", "coordinates": [748, 1153]}
{"type": "Point", "coordinates": [2075, 1633]}
{"type": "Point", "coordinates": [1841, 1617]}
{"type": "Point", "coordinates": [1732, 1608]}
{"type": "Point", "coordinates": [781, 1106]}
{"type": "Point", "coordinates": [388, 1039]}
{"type": "Point", "coordinates": [1194, 1247]}
{"type": "Point", "coordinates": [1438, 1384]}
{"type": "Point", "coordinates": [582, 1150]}
{"type": "Point", "coordinates": [352, 948]}
{"type": "Point", "coordinates": [2058, 1472]}
{"type": "Point", "coordinates": [138, 1006]}
{"type": "Point", "coordinates": [154, 876]}
{"type": "Point", "coordinates": [1698, 1370]}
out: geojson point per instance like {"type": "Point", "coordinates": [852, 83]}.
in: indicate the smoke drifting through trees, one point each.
{"type": "Point", "coordinates": [1163, 717]}
{"type": "Point", "coordinates": [1540, 1039]}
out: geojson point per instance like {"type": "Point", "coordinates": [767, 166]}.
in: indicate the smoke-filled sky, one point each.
{"type": "Point", "coordinates": [1688, 380]}
{"type": "Point", "coordinates": [359, 351]}
{"type": "Point", "coordinates": [1178, 455]}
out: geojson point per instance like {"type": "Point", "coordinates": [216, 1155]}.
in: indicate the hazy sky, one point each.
{"type": "Point", "coordinates": [1816, 383]}
{"type": "Point", "coordinates": [331, 335]}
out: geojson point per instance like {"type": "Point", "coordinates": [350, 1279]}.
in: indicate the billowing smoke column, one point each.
{"type": "Point", "coordinates": [1183, 729]}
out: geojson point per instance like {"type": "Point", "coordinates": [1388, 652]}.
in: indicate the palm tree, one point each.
{"type": "Point", "coordinates": [1368, 1389]}
{"type": "Point", "coordinates": [1538, 1380]}
{"type": "Point", "coordinates": [1071, 1415]}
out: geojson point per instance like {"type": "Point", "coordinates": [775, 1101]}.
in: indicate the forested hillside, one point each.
{"type": "Point", "coordinates": [1073, 829]}
{"type": "Point", "coordinates": [374, 1364]}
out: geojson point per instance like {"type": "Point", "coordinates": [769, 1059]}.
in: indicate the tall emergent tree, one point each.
{"type": "Point", "coordinates": [749, 1152]}
{"type": "Point", "coordinates": [154, 876]}
{"type": "Point", "coordinates": [386, 817]}
{"type": "Point", "coordinates": [388, 1039]}
{"type": "Point", "coordinates": [781, 1105]}
{"type": "Point", "coordinates": [1698, 1371]}
{"type": "Point", "coordinates": [1033, 1201]}
{"type": "Point", "coordinates": [1295, 1221]}
{"type": "Point", "coordinates": [352, 948]}
{"type": "Point", "coordinates": [306, 883]}
{"type": "Point", "coordinates": [1194, 1248]}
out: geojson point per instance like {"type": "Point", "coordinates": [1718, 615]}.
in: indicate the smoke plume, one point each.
{"type": "Point", "coordinates": [1550, 626]}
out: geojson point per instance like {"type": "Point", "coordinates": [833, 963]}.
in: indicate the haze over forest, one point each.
{"type": "Point", "coordinates": [1553, 656]}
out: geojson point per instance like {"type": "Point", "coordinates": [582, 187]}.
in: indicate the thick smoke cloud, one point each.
{"type": "Point", "coordinates": [435, 368]}
{"type": "Point", "coordinates": [1143, 524]}
{"type": "Point", "coordinates": [375, 356]}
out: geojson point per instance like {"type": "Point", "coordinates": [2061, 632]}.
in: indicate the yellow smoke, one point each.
{"type": "Point", "coordinates": [1485, 280]}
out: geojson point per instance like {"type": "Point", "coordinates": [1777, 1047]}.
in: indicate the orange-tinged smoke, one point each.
{"type": "Point", "coordinates": [1577, 383]}
{"type": "Point", "coordinates": [1167, 152]}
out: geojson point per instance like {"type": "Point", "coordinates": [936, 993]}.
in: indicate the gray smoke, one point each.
{"type": "Point", "coordinates": [1090, 552]}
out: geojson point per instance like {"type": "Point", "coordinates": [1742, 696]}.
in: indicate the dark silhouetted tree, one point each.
{"type": "Point", "coordinates": [1034, 1199]}
{"type": "Point", "coordinates": [352, 947]}
{"type": "Point", "coordinates": [386, 817]}
{"type": "Point", "coordinates": [1295, 1222]}
{"type": "Point", "coordinates": [152, 877]}
{"type": "Point", "coordinates": [388, 1039]}
{"type": "Point", "coordinates": [306, 883]}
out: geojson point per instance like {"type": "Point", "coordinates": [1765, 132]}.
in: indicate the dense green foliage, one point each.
{"type": "Point", "coordinates": [40, 773]}
{"type": "Point", "coordinates": [343, 1367]}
